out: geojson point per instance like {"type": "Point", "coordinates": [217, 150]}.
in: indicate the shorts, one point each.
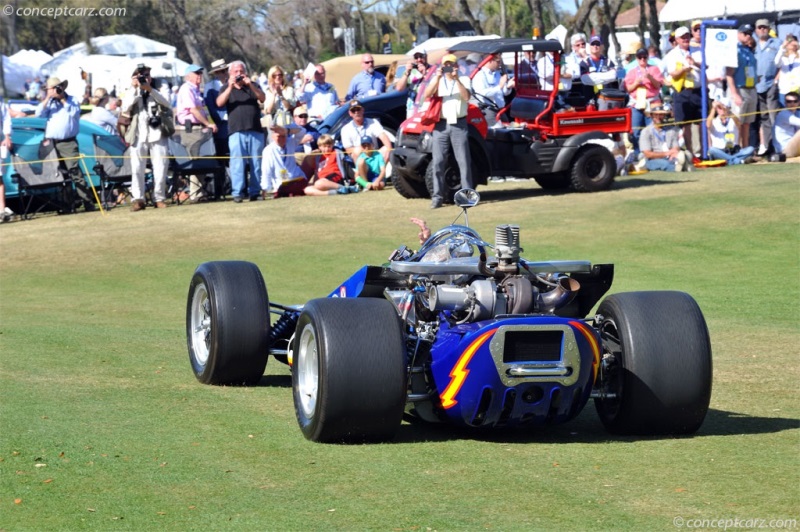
{"type": "Point", "coordinates": [687, 105]}
{"type": "Point", "coordinates": [747, 111]}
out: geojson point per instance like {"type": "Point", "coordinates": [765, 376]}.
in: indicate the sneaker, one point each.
{"type": "Point", "coordinates": [354, 189]}
{"type": "Point", "coordinates": [255, 197]}
{"type": "Point", "coordinates": [749, 160]}
{"type": "Point", "coordinates": [161, 205]}
{"type": "Point", "coordinates": [8, 212]}
{"type": "Point", "coordinates": [762, 150]}
{"type": "Point", "coordinates": [137, 205]}
{"type": "Point", "coordinates": [351, 189]}
{"type": "Point", "coordinates": [237, 199]}
{"type": "Point", "coordinates": [436, 203]}
{"type": "Point", "coordinates": [497, 179]}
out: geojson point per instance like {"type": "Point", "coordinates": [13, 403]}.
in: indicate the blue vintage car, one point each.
{"type": "Point", "coordinates": [27, 134]}
{"type": "Point", "coordinates": [452, 334]}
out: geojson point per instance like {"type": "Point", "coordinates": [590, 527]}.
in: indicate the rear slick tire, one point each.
{"type": "Point", "coordinates": [349, 370]}
{"type": "Point", "coordinates": [656, 367]}
{"type": "Point", "coordinates": [227, 323]}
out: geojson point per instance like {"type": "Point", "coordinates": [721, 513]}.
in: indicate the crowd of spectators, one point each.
{"type": "Point", "coordinates": [262, 124]}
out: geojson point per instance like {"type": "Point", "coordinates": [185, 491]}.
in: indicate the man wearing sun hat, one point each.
{"type": "Point", "coordinates": [661, 146]}
{"type": "Point", "coordinates": [63, 113]}
{"type": "Point", "coordinates": [219, 77]}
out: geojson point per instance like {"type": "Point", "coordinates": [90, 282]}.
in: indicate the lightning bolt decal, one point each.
{"type": "Point", "coordinates": [459, 372]}
{"type": "Point", "coordinates": [590, 337]}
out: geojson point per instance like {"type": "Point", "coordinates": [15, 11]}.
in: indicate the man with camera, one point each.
{"type": "Point", "coordinates": [63, 113]}
{"type": "Point", "coordinates": [451, 131]}
{"type": "Point", "coordinates": [150, 127]}
{"type": "Point", "coordinates": [242, 98]}
{"type": "Point", "coordinates": [411, 80]}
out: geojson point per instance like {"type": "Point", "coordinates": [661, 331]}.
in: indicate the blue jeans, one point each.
{"type": "Point", "coordinates": [664, 165]}
{"type": "Point", "coordinates": [638, 122]}
{"type": "Point", "coordinates": [737, 158]}
{"type": "Point", "coordinates": [249, 145]}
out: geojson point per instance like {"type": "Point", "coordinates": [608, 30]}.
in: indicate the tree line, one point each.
{"type": "Point", "coordinates": [293, 33]}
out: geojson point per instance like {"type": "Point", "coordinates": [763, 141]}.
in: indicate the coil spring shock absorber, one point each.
{"type": "Point", "coordinates": [284, 327]}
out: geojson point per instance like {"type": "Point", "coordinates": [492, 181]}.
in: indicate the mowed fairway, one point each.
{"type": "Point", "coordinates": [104, 427]}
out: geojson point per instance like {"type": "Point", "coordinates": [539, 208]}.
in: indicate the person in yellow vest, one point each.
{"type": "Point", "coordinates": [683, 67]}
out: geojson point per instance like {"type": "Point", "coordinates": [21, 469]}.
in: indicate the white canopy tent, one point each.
{"type": "Point", "coordinates": [116, 58]}
{"type": "Point", "coordinates": [22, 66]}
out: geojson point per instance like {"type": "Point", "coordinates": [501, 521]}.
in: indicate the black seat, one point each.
{"type": "Point", "coordinates": [192, 153]}
{"type": "Point", "coordinates": [113, 167]}
{"type": "Point", "coordinates": [527, 109]}
{"type": "Point", "coordinates": [41, 180]}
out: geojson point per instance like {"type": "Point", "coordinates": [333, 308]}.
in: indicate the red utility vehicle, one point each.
{"type": "Point", "coordinates": [555, 138]}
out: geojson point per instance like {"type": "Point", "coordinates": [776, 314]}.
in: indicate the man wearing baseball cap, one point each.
{"type": "Point", "coordinates": [451, 130]}
{"type": "Point", "coordinates": [370, 166]}
{"type": "Point", "coordinates": [767, 48]}
{"type": "Point", "coordinates": [411, 79]}
{"type": "Point", "coordinates": [742, 83]}
{"type": "Point", "coordinates": [191, 111]}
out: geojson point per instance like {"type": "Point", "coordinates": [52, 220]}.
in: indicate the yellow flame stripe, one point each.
{"type": "Point", "coordinates": [459, 372]}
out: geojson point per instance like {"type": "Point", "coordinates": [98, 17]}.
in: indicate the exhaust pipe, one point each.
{"type": "Point", "coordinates": [565, 291]}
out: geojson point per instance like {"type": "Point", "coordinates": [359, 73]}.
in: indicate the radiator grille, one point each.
{"type": "Point", "coordinates": [533, 346]}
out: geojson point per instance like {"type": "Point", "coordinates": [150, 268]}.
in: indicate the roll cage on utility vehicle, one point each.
{"type": "Point", "coordinates": [555, 138]}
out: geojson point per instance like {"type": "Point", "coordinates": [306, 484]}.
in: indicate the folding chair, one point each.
{"type": "Point", "coordinates": [40, 179]}
{"type": "Point", "coordinates": [113, 167]}
{"type": "Point", "coordinates": [184, 147]}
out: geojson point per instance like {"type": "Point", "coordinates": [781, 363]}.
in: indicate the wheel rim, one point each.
{"type": "Point", "coordinates": [201, 324]}
{"type": "Point", "coordinates": [307, 364]}
{"type": "Point", "coordinates": [611, 368]}
{"type": "Point", "coordinates": [595, 168]}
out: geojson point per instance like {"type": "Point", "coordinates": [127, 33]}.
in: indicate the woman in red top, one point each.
{"type": "Point", "coordinates": [643, 84]}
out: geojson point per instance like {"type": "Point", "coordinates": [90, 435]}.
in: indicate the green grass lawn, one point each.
{"type": "Point", "coordinates": [103, 425]}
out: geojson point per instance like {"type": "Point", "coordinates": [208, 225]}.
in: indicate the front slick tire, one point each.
{"type": "Point", "coordinates": [593, 169]}
{"type": "Point", "coordinates": [657, 364]}
{"type": "Point", "coordinates": [227, 323]}
{"type": "Point", "coordinates": [349, 370]}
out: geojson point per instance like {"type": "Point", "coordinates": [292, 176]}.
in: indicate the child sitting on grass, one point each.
{"type": "Point", "coordinates": [370, 166]}
{"type": "Point", "coordinates": [328, 176]}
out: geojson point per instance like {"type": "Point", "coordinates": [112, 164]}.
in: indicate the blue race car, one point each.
{"type": "Point", "coordinates": [451, 334]}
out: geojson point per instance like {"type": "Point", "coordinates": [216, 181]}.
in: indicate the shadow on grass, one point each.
{"type": "Point", "coordinates": [587, 428]}
{"type": "Point", "coordinates": [275, 381]}
{"type": "Point", "coordinates": [492, 195]}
